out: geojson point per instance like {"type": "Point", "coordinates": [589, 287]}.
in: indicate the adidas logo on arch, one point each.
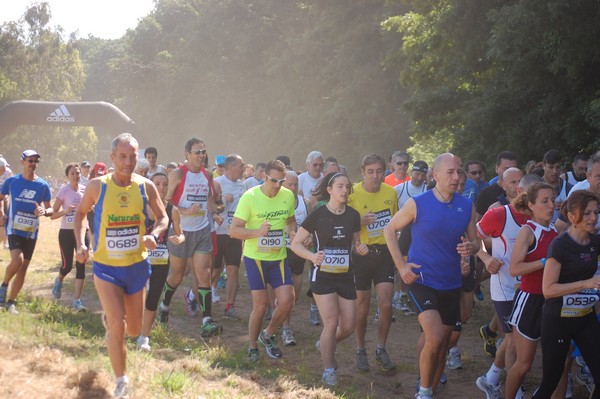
{"type": "Point", "coordinates": [61, 114]}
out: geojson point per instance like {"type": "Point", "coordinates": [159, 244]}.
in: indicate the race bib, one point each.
{"type": "Point", "coordinates": [375, 230]}
{"type": "Point", "coordinates": [579, 304]}
{"type": "Point", "coordinates": [159, 255]}
{"type": "Point", "coordinates": [336, 260]}
{"type": "Point", "coordinates": [121, 240]}
{"type": "Point", "coordinates": [272, 242]}
{"type": "Point", "coordinates": [229, 217]}
{"type": "Point", "coordinates": [25, 222]}
{"type": "Point", "coordinates": [288, 242]}
{"type": "Point", "coordinates": [201, 200]}
{"type": "Point", "coordinates": [70, 220]}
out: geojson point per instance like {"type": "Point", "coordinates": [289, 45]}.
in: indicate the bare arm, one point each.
{"type": "Point", "coordinates": [553, 289]}
{"type": "Point", "coordinates": [401, 219]}
{"type": "Point", "coordinates": [300, 250]}
{"type": "Point", "coordinates": [56, 207]}
{"type": "Point", "coordinates": [238, 229]}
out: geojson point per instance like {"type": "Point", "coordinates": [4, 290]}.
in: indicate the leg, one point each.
{"type": "Point", "coordinates": [385, 293]}
{"type": "Point", "coordinates": [260, 302]}
{"type": "Point", "coordinates": [233, 283]}
{"type": "Point", "coordinates": [363, 301]}
{"type": "Point", "coordinates": [525, 350]}
{"type": "Point", "coordinates": [285, 303]}
{"type": "Point", "coordinates": [436, 336]}
{"type": "Point", "coordinates": [19, 280]}
{"type": "Point", "coordinates": [328, 307]}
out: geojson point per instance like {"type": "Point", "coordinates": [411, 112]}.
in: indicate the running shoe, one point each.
{"type": "Point", "coordinates": [210, 328]}
{"type": "Point", "coordinates": [56, 289]}
{"type": "Point", "coordinates": [443, 378]}
{"type": "Point", "coordinates": [78, 305]}
{"type": "Point", "coordinates": [221, 282]}
{"type": "Point", "coordinates": [396, 303]}
{"type": "Point", "coordinates": [329, 378]}
{"type": "Point", "coordinates": [215, 295]}
{"type": "Point", "coordinates": [12, 309]}
{"type": "Point", "coordinates": [584, 377]}
{"type": "Point", "coordinates": [453, 361]}
{"type": "Point", "coordinates": [270, 345]}
{"type": "Point", "coordinates": [491, 391]}
{"type": "Point", "coordinates": [231, 314]}
{"type": "Point", "coordinates": [314, 318]}
{"type": "Point", "coordinates": [122, 391]}
{"type": "Point", "coordinates": [191, 304]}
{"type": "Point", "coordinates": [143, 343]}
{"type": "Point", "coordinates": [163, 317]}
{"type": "Point", "coordinates": [479, 294]}
{"type": "Point", "coordinates": [253, 355]}
{"type": "Point", "coordinates": [287, 337]}
{"type": "Point", "coordinates": [3, 290]}
{"type": "Point", "coordinates": [269, 314]}
{"type": "Point", "coordinates": [383, 360]}
{"type": "Point", "coordinates": [420, 395]}
{"type": "Point", "coordinates": [489, 342]}
{"type": "Point", "coordinates": [362, 362]}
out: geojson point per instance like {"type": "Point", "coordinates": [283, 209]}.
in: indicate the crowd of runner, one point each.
{"type": "Point", "coordinates": [423, 237]}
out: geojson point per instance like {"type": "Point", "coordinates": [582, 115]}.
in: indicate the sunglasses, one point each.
{"type": "Point", "coordinates": [274, 180]}
{"type": "Point", "coordinates": [476, 172]}
{"type": "Point", "coordinates": [400, 163]}
{"type": "Point", "coordinates": [198, 152]}
{"type": "Point", "coordinates": [33, 160]}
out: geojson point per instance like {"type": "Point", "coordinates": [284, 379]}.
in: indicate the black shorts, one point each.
{"type": "Point", "coordinates": [526, 315]}
{"type": "Point", "coordinates": [469, 282]}
{"type": "Point", "coordinates": [343, 286]}
{"type": "Point", "coordinates": [228, 248]}
{"type": "Point", "coordinates": [26, 245]}
{"type": "Point", "coordinates": [446, 302]}
{"type": "Point", "coordinates": [375, 267]}
{"type": "Point", "coordinates": [296, 263]}
{"type": "Point", "coordinates": [504, 310]}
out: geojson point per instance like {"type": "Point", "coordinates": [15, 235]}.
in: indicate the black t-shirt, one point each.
{"type": "Point", "coordinates": [577, 262]}
{"type": "Point", "coordinates": [487, 197]}
{"type": "Point", "coordinates": [333, 234]}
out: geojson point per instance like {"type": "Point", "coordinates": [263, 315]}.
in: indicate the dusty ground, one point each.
{"type": "Point", "coordinates": [26, 372]}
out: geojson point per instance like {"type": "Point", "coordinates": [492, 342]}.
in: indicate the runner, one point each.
{"type": "Point", "coordinates": [26, 192]}
{"type": "Point", "coordinates": [151, 155]}
{"type": "Point", "coordinates": [262, 215]}
{"type": "Point", "coordinates": [121, 267]}
{"type": "Point", "coordinates": [399, 164]}
{"type": "Point", "coordinates": [302, 209]}
{"type": "Point", "coordinates": [570, 285]}
{"type": "Point", "coordinates": [307, 181]}
{"type": "Point", "coordinates": [68, 198]}
{"type": "Point", "coordinates": [335, 231]}
{"type": "Point", "coordinates": [578, 173]}
{"type": "Point", "coordinates": [159, 259]}
{"type": "Point", "coordinates": [230, 249]}
{"type": "Point", "coordinates": [192, 192]}
{"type": "Point", "coordinates": [527, 260]}
{"type": "Point", "coordinates": [433, 268]}
{"type": "Point", "coordinates": [552, 167]}
{"type": "Point", "coordinates": [376, 203]}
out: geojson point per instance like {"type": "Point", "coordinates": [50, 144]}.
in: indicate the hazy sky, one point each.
{"type": "Point", "coordinates": [107, 19]}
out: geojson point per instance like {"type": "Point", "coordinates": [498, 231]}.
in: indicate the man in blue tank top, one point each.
{"type": "Point", "coordinates": [440, 218]}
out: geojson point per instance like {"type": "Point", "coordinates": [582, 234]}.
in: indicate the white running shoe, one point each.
{"type": "Point", "coordinates": [215, 295]}
{"type": "Point", "coordinates": [143, 343]}
{"type": "Point", "coordinates": [491, 391]}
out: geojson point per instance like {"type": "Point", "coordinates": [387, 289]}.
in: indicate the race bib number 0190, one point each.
{"type": "Point", "coordinates": [376, 229]}
{"type": "Point", "coordinates": [272, 242]}
{"type": "Point", "coordinates": [335, 260]}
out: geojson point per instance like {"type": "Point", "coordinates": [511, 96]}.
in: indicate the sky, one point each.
{"type": "Point", "coordinates": [106, 19]}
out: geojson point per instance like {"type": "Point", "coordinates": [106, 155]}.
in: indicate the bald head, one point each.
{"type": "Point", "coordinates": [442, 159]}
{"type": "Point", "coordinates": [445, 173]}
{"type": "Point", "coordinates": [291, 181]}
{"type": "Point", "coordinates": [510, 182]}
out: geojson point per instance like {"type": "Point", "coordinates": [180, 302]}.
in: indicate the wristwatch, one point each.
{"type": "Point", "coordinates": [156, 236]}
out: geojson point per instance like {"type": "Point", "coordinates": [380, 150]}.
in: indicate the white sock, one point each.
{"type": "Point", "coordinates": [122, 379]}
{"type": "Point", "coordinates": [493, 375]}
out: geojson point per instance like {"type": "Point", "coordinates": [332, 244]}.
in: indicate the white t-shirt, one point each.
{"type": "Point", "coordinates": [582, 185]}
{"type": "Point", "coordinates": [307, 183]}
{"type": "Point", "coordinates": [407, 190]}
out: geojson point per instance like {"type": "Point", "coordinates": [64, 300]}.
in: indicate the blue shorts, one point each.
{"type": "Point", "coordinates": [263, 272]}
{"type": "Point", "coordinates": [131, 278]}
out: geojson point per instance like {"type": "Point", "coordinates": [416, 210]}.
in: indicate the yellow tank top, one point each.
{"type": "Point", "coordinates": [120, 223]}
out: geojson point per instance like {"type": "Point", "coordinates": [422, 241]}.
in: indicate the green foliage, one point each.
{"type": "Point", "coordinates": [37, 64]}
{"type": "Point", "coordinates": [493, 75]}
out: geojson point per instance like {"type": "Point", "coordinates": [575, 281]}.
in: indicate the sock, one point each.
{"type": "Point", "coordinates": [168, 292]}
{"type": "Point", "coordinates": [361, 350]}
{"type": "Point", "coordinates": [205, 295]}
{"type": "Point", "coordinates": [490, 332]}
{"type": "Point", "coordinates": [379, 348]}
{"type": "Point", "coordinates": [122, 379]}
{"type": "Point", "coordinates": [426, 391]}
{"type": "Point", "coordinates": [493, 375]}
{"type": "Point", "coordinates": [228, 306]}
{"type": "Point", "coordinates": [163, 307]}
{"type": "Point", "coordinates": [288, 328]}
{"type": "Point", "coordinates": [191, 296]}
{"type": "Point", "coordinates": [454, 349]}
{"type": "Point", "coordinates": [313, 307]}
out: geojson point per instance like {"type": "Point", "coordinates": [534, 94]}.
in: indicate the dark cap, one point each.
{"type": "Point", "coordinates": [29, 153]}
{"type": "Point", "coordinates": [420, 166]}
{"type": "Point", "coordinates": [85, 164]}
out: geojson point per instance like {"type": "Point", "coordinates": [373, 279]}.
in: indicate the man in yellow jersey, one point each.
{"type": "Point", "coordinates": [376, 203]}
{"type": "Point", "coordinates": [264, 216]}
{"type": "Point", "coordinates": [121, 268]}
